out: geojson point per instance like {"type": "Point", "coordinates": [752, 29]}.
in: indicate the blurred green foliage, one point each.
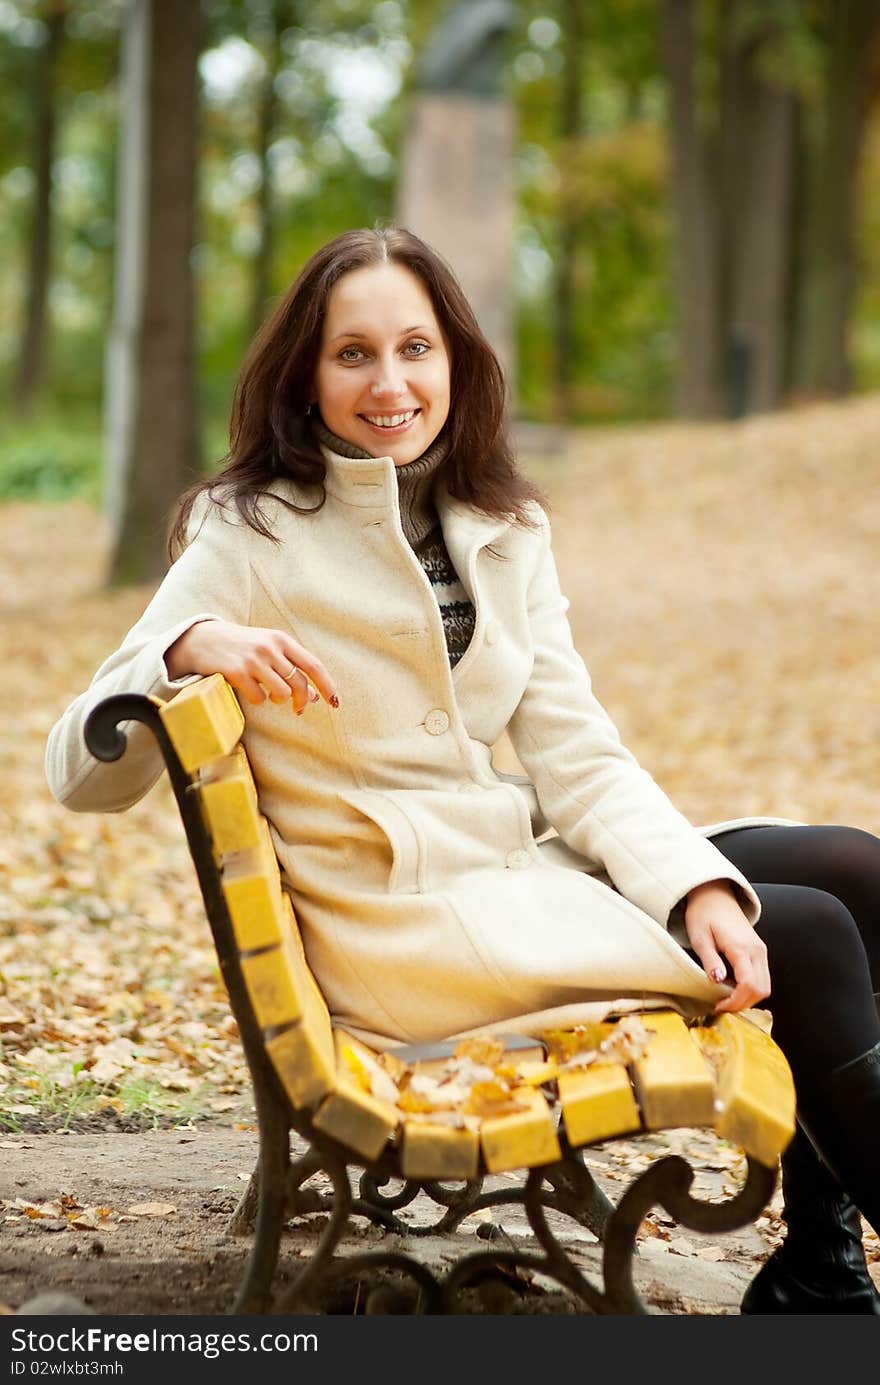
{"type": "Point", "coordinates": [52, 457]}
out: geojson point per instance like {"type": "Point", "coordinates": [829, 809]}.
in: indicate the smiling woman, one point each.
{"type": "Point", "coordinates": [372, 557]}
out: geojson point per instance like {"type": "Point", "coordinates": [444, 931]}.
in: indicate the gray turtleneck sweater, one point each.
{"type": "Point", "coordinates": [423, 532]}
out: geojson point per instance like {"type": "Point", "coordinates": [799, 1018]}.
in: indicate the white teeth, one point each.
{"type": "Point", "coordinates": [390, 420]}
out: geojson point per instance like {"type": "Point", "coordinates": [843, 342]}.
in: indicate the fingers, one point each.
{"type": "Point", "coordinates": [249, 687]}
{"type": "Point", "coordinates": [312, 668]}
{"type": "Point", "coordinates": [300, 691]}
{"type": "Point", "coordinates": [285, 672]}
{"type": "Point", "coordinates": [751, 979]}
{"type": "Point", "coordinates": [260, 664]}
{"type": "Point", "coordinates": [711, 960]}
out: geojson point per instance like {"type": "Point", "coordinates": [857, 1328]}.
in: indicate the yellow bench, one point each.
{"type": "Point", "coordinates": [483, 1107]}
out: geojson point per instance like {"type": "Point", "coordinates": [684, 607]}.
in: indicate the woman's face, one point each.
{"type": "Point", "coordinates": [382, 380]}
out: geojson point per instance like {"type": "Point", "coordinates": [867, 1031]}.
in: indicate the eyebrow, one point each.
{"type": "Point", "coordinates": [364, 336]}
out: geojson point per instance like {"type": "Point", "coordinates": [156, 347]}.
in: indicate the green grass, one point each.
{"type": "Point", "coordinates": [64, 1105]}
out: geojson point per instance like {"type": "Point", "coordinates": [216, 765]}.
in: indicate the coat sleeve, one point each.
{"type": "Point", "coordinates": [590, 787]}
{"type": "Point", "coordinates": [210, 579]}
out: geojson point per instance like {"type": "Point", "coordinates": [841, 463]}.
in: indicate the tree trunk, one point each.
{"type": "Point", "coordinates": [699, 291]}
{"type": "Point", "coordinates": [571, 129]}
{"type": "Point", "coordinates": [758, 152]}
{"type": "Point", "coordinates": [152, 434]}
{"type": "Point", "coordinates": [822, 360]}
{"type": "Point", "coordinates": [267, 109]}
{"type": "Point", "coordinates": [31, 369]}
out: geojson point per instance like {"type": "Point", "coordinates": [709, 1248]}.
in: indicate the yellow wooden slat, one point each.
{"type": "Point", "coordinates": [351, 1115]}
{"type": "Point", "coordinates": [597, 1103]}
{"type": "Point", "coordinates": [756, 1097]}
{"type": "Point", "coordinates": [674, 1083]}
{"type": "Point", "coordinates": [432, 1150]}
{"type": "Point", "coordinates": [276, 984]}
{"type": "Point", "coordinates": [229, 803]}
{"type": "Point", "coordinates": [303, 1056]}
{"type": "Point", "coordinates": [523, 1139]}
{"type": "Point", "coordinates": [203, 721]}
{"type": "Point", "coordinates": [251, 884]}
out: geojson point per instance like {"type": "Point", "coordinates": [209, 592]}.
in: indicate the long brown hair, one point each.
{"type": "Point", "coordinates": [270, 432]}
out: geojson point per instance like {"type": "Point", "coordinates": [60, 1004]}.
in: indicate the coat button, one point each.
{"type": "Point", "coordinates": [493, 630]}
{"type": "Point", "coordinates": [518, 860]}
{"type": "Point", "coordinates": [436, 722]}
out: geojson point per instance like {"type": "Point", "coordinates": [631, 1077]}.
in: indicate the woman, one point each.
{"type": "Point", "coordinates": [371, 556]}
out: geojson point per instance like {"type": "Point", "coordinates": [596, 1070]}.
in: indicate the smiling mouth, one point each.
{"type": "Point", "coordinates": [387, 422]}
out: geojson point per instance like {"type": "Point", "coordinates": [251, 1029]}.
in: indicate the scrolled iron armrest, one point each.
{"type": "Point", "coordinates": [103, 735]}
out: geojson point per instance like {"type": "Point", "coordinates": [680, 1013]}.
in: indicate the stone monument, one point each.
{"type": "Point", "coordinates": [456, 185]}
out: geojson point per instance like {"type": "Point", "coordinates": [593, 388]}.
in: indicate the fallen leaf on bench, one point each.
{"type": "Point", "coordinates": [623, 1041]}
{"type": "Point", "coordinates": [484, 1050]}
{"type": "Point", "coordinates": [371, 1075]}
{"type": "Point", "coordinates": [492, 1099]}
{"type": "Point", "coordinates": [458, 1120]}
{"type": "Point", "coordinates": [152, 1209]}
{"type": "Point", "coordinates": [535, 1073]}
{"type": "Point", "coordinates": [578, 1040]}
{"type": "Point", "coordinates": [438, 1093]}
{"type": "Point", "coordinates": [627, 1042]}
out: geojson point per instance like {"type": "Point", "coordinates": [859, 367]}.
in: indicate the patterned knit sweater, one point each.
{"type": "Point", "coordinates": [423, 532]}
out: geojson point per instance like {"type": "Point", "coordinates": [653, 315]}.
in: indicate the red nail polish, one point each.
{"type": "Point", "coordinates": [334, 701]}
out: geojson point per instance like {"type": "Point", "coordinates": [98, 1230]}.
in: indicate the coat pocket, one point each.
{"type": "Point", "coordinates": [398, 832]}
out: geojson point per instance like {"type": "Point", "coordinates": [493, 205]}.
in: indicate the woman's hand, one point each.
{"type": "Point", "coordinates": [716, 924]}
{"type": "Point", "coordinates": [258, 663]}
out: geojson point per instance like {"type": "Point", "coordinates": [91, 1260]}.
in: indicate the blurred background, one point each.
{"type": "Point", "coordinates": [659, 208]}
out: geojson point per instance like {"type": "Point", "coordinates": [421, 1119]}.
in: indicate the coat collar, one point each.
{"type": "Point", "coordinates": [371, 483]}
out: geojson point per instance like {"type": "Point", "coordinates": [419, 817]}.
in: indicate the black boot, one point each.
{"type": "Point", "coordinates": [841, 1115]}
{"type": "Point", "coordinates": [820, 1266]}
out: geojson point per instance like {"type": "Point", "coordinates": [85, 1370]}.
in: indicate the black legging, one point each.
{"type": "Point", "coordinates": [819, 889]}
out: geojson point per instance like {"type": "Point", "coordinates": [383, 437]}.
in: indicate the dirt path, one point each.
{"type": "Point", "coordinates": [176, 1256]}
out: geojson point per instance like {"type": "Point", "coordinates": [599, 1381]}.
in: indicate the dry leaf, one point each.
{"type": "Point", "coordinates": [90, 1221]}
{"type": "Point", "coordinates": [679, 1245]}
{"type": "Point", "coordinates": [627, 1042]}
{"type": "Point", "coordinates": [152, 1209]}
{"type": "Point", "coordinates": [483, 1049]}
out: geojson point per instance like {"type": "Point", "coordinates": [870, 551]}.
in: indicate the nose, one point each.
{"type": "Point", "coordinates": [388, 381]}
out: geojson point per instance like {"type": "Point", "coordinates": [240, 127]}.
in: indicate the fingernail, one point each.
{"type": "Point", "coordinates": [334, 701]}
{"type": "Point", "coordinates": [313, 696]}
{"type": "Point", "coordinates": [299, 711]}
{"type": "Point", "coordinates": [717, 973]}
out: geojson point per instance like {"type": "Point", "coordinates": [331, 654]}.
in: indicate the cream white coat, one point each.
{"type": "Point", "coordinates": [427, 906]}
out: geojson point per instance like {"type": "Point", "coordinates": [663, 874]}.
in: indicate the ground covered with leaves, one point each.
{"type": "Point", "coordinates": [722, 581]}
